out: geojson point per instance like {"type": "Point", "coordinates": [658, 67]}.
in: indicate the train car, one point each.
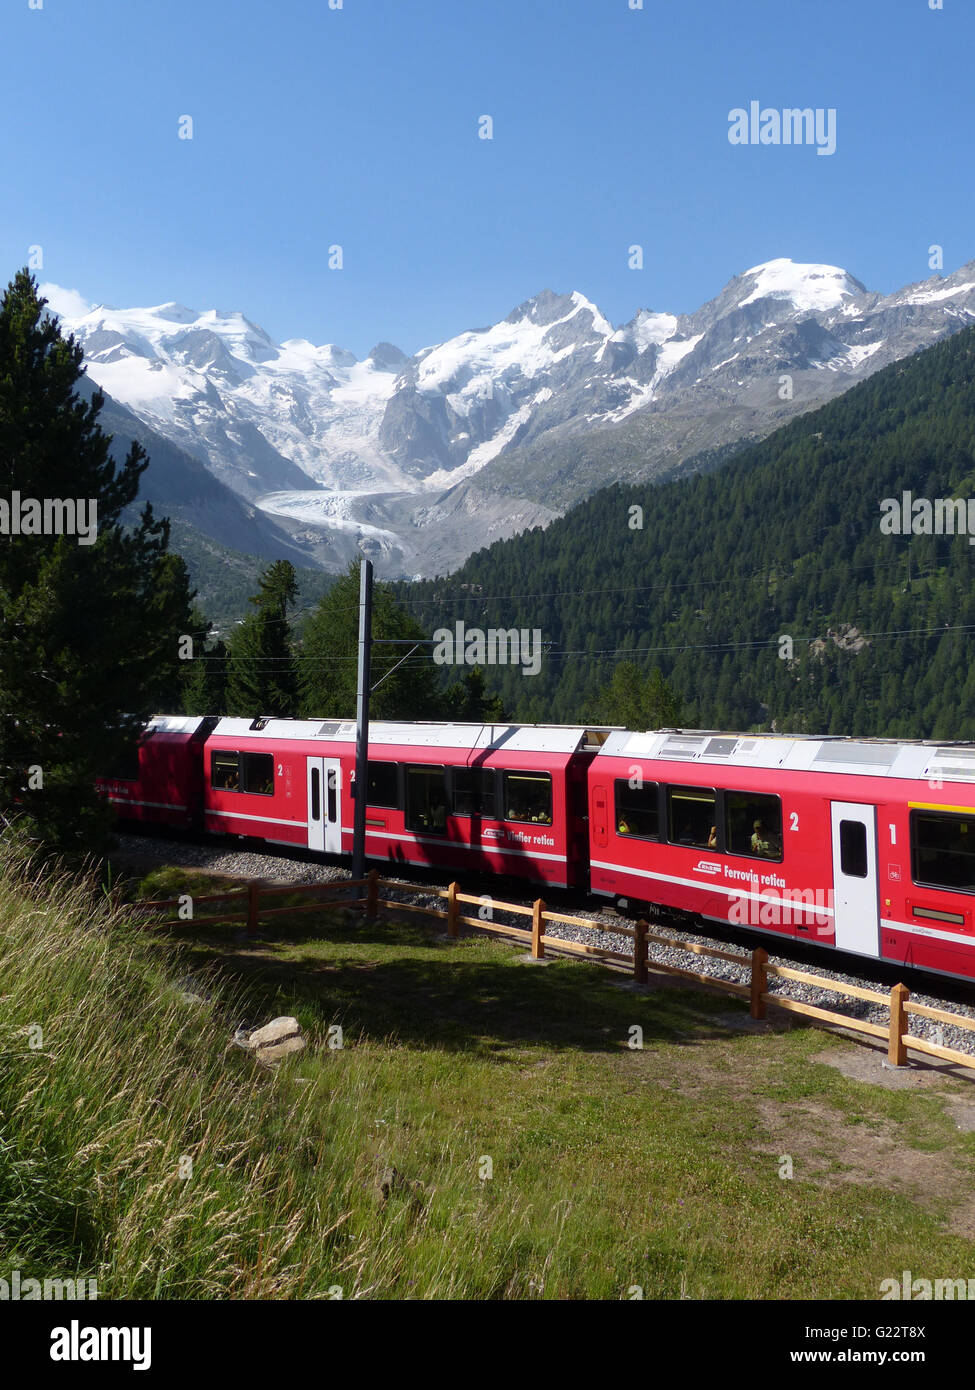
{"type": "Point", "coordinates": [864, 845]}
{"type": "Point", "coordinates": [161, 783]}
{"type": "Point", "coordinates": [507, 799]}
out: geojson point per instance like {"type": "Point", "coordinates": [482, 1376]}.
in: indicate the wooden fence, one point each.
{"type": "Point", "coordinates": [336, 894]}
{"type": "Point", "coordinates": [251, 911]}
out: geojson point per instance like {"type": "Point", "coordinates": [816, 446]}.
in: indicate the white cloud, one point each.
{"type": "Point", "coordinates": [68, 303]}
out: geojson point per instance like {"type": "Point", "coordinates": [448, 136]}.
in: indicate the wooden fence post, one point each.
{"type": "Point", "coordinates": [640, 952]}
{"type": "Point", "coordinates": [453, 910]}
{"type": "Point", "coordinates": [759, 981]}
{"type": "Point", "coordinates": [253, 889]}
{"type": "Point", "coordinates": [899, 1025]}
{"type": "Point", "coordinates": [372, 896]}
{"type": "Point", "coordinates": [538, 945]}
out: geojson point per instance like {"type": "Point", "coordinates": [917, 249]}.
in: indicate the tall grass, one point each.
{"type": "Point", "coordinates": [137, 1144]}
{"type": "Point", "coordinates": [140, 1147]}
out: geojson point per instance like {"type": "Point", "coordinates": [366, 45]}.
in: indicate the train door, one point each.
{"type": "Point", "coordinates": [600, 816]}
{"type": "Point", "coordinates": [325, 805]}
{"type": "Point", "coordinates": [856, 915]}
{"type": "Point", "coordinates": [577, 824]}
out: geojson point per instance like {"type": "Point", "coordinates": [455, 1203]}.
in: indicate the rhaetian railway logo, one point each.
{"type": "Point", "coordinates": [50, 516]}
{"type": "Point", "coordinates": [762, 899]}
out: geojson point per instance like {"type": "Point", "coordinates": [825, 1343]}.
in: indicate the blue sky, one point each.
{"type": "Point", "coordinates": [358, 126]}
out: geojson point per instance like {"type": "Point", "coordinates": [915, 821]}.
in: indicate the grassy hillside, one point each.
{"type": "Point", "coordinates": [783, 541]}
{"type": "Point", "coordinates": [140, 1147]}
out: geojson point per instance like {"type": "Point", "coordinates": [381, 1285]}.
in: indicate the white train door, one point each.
{"type": "Point", "coordinates": [856, 913]}
{"type": "Point", "coordinates": [325, 805]}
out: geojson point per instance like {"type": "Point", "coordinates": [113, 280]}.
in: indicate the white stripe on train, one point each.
{"type": "Point", "coordinates": [520, 852]}
{"type": "Point", "coordinates": [794, 906]}
{"type": "Point", "coordinates": [885, 923]}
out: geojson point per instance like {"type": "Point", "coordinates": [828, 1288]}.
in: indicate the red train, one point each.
{"type": "Point", "coordinates": [866, 845]}
{"type": "Point", "coordinates": [505, 799]}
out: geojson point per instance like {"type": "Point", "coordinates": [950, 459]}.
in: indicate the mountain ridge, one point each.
{"type": "Point", "coordinates": [769, 593]}
{"type": "Point", "coordinates": [503, 426]}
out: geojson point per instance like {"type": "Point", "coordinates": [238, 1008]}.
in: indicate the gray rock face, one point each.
{"type": "Point", "coordinates": [387, 356]}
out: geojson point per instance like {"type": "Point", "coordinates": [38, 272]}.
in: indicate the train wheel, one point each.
{"type": "Point", "coordinates": [631, 908]}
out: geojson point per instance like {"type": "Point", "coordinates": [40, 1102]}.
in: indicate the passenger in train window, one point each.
{"type": "Point", "coordinates": [713, 838]}
{"type": "Point", "coordinates": [761, 844]}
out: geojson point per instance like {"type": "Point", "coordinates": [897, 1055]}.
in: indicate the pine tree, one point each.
{"type": "Point", "coordinates": [205, 675]}
{"type": "Point", "coordinates": [468, 701]}
{"type": "Point", "coordinates": [329, 658]}
{"type": "Point", "coordinates": [261, 669]}
{"type": "Point", "coordinates": [91, 622]}
{"type": "Point", "coordinates": [641, 702]}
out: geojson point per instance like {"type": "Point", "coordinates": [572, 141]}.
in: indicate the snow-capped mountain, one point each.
{"type": "Point", "coordinates": [480, 427]}
{"type": "Point", "coordinates": [262, 416]}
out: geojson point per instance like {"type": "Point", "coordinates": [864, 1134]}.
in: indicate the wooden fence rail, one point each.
{"type": "Point", "coordinates": [335, 895]}
{"type": "Point", "coordinates": [250, 895]}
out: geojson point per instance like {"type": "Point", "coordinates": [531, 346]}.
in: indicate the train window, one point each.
{"type": "Point", "coordinates": [753, 825]}
{"type": "Point", "coordinates": [426, 799]}
{"type": "Point", "coordinates": [382, 786]}
{"type": "Point", "coordinates": [332, 803]}
{"type": "Point", "coordinates": [637, 811]}
{"type": "Point", "coordinates": [125, 767]}
{"type": "Point", "coordinates": [691, 817]}
{"type": "Point", "coordinates": [943, 850]}
{"type": "Point", "coordinates": [528, 797]}
{"type": "Point", "coordinates": [853, 848]}
{"type": "Point", "coordinates": [257, 773]}
{"type": "Point", "coordinates": [474, 793]}
{"type": "Point", "coordinates": [316, 794]}
{"type": "Point", "coordinates": [225, 772]}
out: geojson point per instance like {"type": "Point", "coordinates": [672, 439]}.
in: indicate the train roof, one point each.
{"type": "Point", "coordinates": [952, 762]}
{"type": "Point", "coordinates": [520, 738]}
{"type": "Point", "coordinates": [176, 724]}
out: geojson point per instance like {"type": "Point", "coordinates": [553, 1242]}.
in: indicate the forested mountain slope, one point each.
{"type": "Point", "coordinates": [784, 541]}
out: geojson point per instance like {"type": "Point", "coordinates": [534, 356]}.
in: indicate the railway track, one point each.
{"type": "Point", "coordinates": [276, 864]}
